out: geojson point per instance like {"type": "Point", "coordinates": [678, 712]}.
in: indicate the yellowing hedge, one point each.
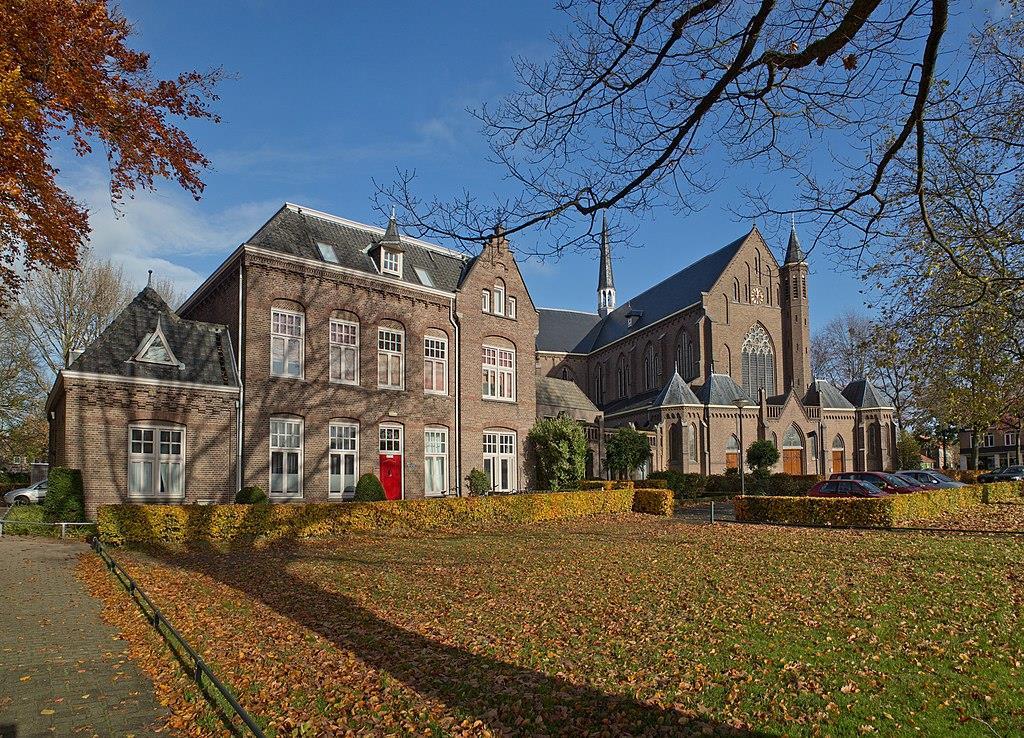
{"type": "Point", "coordinates": [654, 501]}
{"type": "Point", "coordinates": [884, 512]}
{"type": "Point", "coordinates": [606, 484]}
{"type": "Point", "coordinates": [120, 524]}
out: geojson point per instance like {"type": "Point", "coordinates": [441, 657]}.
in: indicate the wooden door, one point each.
{"type": "Point", "coordinates": [837, 462]}
{"type": "Point", "coordinates": [793, 461]}
{"type": "Point", "coordinates": [732, 460]}
{"type": "Point", "coordinates": [391, 475]}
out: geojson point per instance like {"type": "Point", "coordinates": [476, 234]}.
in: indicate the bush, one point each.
{"type": "Point", "coordinates": [560, 446]}
{"type": "Point", "coordinates": [1001, 492]}
{"type": "Point", "coordinates": [607, 484]}
{"type": "Point", "coordinates": [369, 489]}
{"type": "Point", "coordinates": [175, 524]}
{"type": "Point", "coordinates": [654, 501]}
{"type": "Point", "coordinates": [654, 483]}
{"type": "Point", "coordinates": [627, 450]}
{"type": "Point", "coordinates": [65, 496]}
{"type": "Point", "coordinates": [251, 496]}
{"type": "Point", "coordinates": [478, 482]}
{"type": "Point", "coordinates": [684, 485]}
{"type": "Point", "coordinates": [762, 455]}
{"type": "Point", "coordinates": [724, 484]}
{"type": "Point", "coordinates": [908, 451]}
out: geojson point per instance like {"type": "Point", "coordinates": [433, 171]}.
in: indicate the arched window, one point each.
{"type": "Point", "coordinates": [675, 442]}
{"type": "Point", "coordinates": [684, 357]}
{"type": "Point", "coordinates": [598, 386]}
{"type": "Point", "coordinates": [693, 442]}
{"type": "Point", "coordinates": [775, 440]}
{"type": "Point", "coordinates": [757, 265]}
{"type": "Point", "coordinates": [622, 376]}
{"type": "Point", "coordinates": [649, 369]}
{"type": "Point", "coordinates": [732, 453]}
{"type": "Point", "coordinates": [498, 298]}
{"type": "Point", "coordinates": [736, 289]}
{"type": "Point", "coordinates": [758, 362]}
{"type": "Point", "coordinates": [565, 373]}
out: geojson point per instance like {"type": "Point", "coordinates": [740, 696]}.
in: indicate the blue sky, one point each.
{"type": "Point", "coordinates": [328, 96]}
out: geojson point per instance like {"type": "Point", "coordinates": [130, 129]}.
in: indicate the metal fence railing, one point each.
{"type": "Point", "coordinates": [17, 524]}
{"type": "Point", "coordinates": [197, 667]}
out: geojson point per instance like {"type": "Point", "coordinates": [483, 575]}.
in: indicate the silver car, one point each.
{"type": "Point", "coordinates": [34, 493]}
{"type": "Point", "coordinates": [932, 479]}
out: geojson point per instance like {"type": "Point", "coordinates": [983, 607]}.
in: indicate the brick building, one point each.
{"type": "Point", "coordinates": [731, 328]}
{"type": "Point", "coordinates": [322, 349]}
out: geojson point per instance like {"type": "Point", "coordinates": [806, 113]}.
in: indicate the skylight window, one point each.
{"type": "Point", "coordinates": [156, 353]}
{"type": "Point", "coordinates": [327, 252]}
{"type": "Point", "coordinates": [154, 349]}
{"type": "Point", "coordinates": [425, 278]}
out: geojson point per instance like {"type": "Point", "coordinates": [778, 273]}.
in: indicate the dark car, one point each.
{"type": "Point", "coordinates": [1006, 474]}
{"type": "Point", "coordinates": [883, 480]}
{"type": "Point", "coordinates": [845, 488]}
{"type": "Point", "coordinates": [930, 479]}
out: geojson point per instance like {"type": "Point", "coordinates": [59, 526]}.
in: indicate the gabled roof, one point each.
{"type": "Point", "coordinates": [562, 393]}
{"type": "Point", "coordinates": [721, 389]}
{"type": "Point", "coordinates": [568, 331]}
{"type": "Point", "coordinates": [865, 395]}
{"type": "Point", "coordinates": [643, 401]}
{"type": "Point", "coordinates": [676, 392]}
{"type": "Point", "coordinates": [296, 231]}
{"type": "Point", "coordinates": [203, 350]}
{"type": "Point", "coordinates": [825, 395]}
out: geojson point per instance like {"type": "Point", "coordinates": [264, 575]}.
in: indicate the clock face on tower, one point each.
{"type": "Point", "coordinates": [756, 295]}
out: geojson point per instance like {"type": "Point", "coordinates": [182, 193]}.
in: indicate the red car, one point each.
{"type": "Point", "coordinates": [845, 488]}
{"type": "Point", "coordinates": [884, 481]}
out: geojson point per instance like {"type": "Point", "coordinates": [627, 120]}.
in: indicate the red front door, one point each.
{"type": "Point", "coordinates": [391, 475]}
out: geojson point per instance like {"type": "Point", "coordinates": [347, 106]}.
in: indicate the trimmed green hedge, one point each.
{"type": "Point", "coordinates": [605, 484]}
{"type": "Point", "coordinates": [654, 501]}
{"type": "Point", "coordinates": [173, 524]}
{"type": "Point", "coordinates": [878, 512]}
{"type": "Point", "coordinates": [65, 496]}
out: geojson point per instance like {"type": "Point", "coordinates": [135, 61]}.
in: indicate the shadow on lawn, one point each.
{"type": "Point", "coordinates": [472, 685]}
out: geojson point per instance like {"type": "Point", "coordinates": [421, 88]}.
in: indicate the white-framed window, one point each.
{"type": "Point", "coordinates": [390, 358]}
{"type": "Point", "coordinates": [1009, 439]}
{"type": "Point", "coordinates": [499, 375]}
{"type": "Point", "coordinates": [391, 262]}
{"type": "Point", "coordinates": [498, 299]}
{"type": "Point", "coordinates": [989, 440]}
{"type": "Point", "coordinates": [435, 461]}
{"type": "Point", "coordinates": [500, 460]}
{"type": "Point", "coordinates": [156, 461]}
{"type": "Point", "coordinates": [435, 365]}
{"type": "Point", "coordinates": [286, 457]}
{"type": "Point", "coordinates": [344, 460]}
{"type": "Point", "coordinates": [286, 338]}
{"type": "Point", "coordinates": [390, 439]}
{"type": "Point", "coordinates": [485, 301]}
{"type": "Point", "coordinates": [344, 352]}
{"type": "Point", "coordinates": [510, 303]}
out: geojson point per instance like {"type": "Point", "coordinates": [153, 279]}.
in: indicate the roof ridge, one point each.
{"type": "Point", "coordinates": [377, 230]}
{"type": "Point", "coordinates": [571, 310]}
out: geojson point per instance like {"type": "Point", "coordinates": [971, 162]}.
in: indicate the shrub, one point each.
{"type": "Point", "coordinates": [478, 482]}
{"type": "Point", "coordinates": [560, 446]}
{"type": "Point", "coordinates": [175, 524]}
{"type": "Point", "coordinates": [369, 489]}
{"type": "Point", "coordinates": [724, 484]}
{"type": "Point", "coordinates": [908, 451]}
{"type": "Point", "coordinates": [251, 496]}
{"type": "Point", "coordinates": [627, 450]}
{"type": "Point", "coordinates": [654, 501]}
{"type": "Point", "coordinates": [1001, 492]}
{"type": "Point", "coordinates": [684, 485]}
{"type": "Point", "coordinates": [762, 455]}
{"type": "Point", "coordinates": [607, 484]}
{"type": "Point", "coordinates": [654, 483]}
{"type": "Point", "coordinates": [65, 497]}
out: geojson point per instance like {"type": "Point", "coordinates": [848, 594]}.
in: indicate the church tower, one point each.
{"type": "Point", "coordinates": [796, 342]}
{"type": "Point", "coordinates": [605, 280]}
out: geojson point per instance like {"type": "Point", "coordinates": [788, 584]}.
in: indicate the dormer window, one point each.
{"type": "Point", "coordinates": [391, 262]}
{"type": "Point", "coordinates": [633, 317]}
{"type": "Point", "coordinates": [154, 349]}
{"type": "Point", "coordinates": [327, 252]}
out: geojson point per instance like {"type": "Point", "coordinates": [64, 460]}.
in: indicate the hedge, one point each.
{"type": "Point", "coordinates": [119, 524]}
{"type": "Point", "coordinates": [877, 512]}
{"type": "Point", "coordinates": [607, 485]}
{"type": "Point", "coordinates": [65, 496]}
{"type": "Point", "coordinates": [654, 501]}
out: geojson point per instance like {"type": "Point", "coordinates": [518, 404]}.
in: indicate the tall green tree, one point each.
{"type": "Point", "coordinates": [560, 448]}
{"type": "Point", "coordinates": [626, 451]}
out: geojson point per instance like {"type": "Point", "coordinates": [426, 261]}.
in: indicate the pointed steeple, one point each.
{"type": "Point", "coordinates": [794, 254]}
{"type": "Point", "coordinates": [605, 278]}
{"type": "Point", "coordinates": [391, 234]}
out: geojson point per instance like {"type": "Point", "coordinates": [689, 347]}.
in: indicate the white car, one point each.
{"type": "Point", "coordinates": [34, 493]}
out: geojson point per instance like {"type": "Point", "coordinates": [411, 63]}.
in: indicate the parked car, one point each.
{"type": "Point", "coordinates": [930, 479]}
{"type": "Point", "coordinates": [845, 488]}
{"type": "Point", "coordinates": [26, 495]}
{"type": "Point", "coordinates": [887, 482]}
{"type": "Point", "coordinates": [1006, 474]}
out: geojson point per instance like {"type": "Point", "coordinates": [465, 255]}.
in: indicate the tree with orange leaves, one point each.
{"type": "Point", "coordinates": [66, 71]}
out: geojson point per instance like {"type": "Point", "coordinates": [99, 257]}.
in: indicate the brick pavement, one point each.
{"type": "Point", "coordinates": [63, 671]}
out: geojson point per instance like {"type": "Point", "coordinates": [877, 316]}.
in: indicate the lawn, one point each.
{"type": "Point", "coordinates": [612, 625]}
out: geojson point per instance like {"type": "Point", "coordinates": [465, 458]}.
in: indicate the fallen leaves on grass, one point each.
{"type": "Point", "coordinates": [600, 627]}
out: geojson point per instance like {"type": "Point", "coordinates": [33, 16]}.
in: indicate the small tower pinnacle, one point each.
{"type": "Point", "coordinates": [794, 254]}
{"type": "Point", "coordinates": [605, 279]}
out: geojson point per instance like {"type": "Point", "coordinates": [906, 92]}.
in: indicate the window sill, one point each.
{"type": "Point", "coordinates": [499, 399]}
{"type": "Point", "coordinates": [343, 383]}
{"type": "Point", "coordinates": [284, 497]}
{"type": "Point", "coordinates": [288, 376]}
{"type": "Point", "coordinates": [138, 497]}
{"type": "Point", "coordinates": [433, 393]}
{"type": "Point", "coordinates": [391, 389]}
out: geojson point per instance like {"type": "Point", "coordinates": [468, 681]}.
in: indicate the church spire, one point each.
{"type": "Point", "coordinates": [605, 279]}
{"type": "Point", "coordinates": [794, 254]}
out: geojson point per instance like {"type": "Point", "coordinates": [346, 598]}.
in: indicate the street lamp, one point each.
{"type": "Point", "coordinates": [740, 403]}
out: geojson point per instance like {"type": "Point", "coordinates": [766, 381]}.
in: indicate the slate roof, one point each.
{"type": "Point", "coordinates": [684, 288]}
{"type": "Point", "coordinates": [296, 231]}
{"type": "Point", "coordinates": [566, 330]}
{"type": "Point", "coordinates": [203, 348]}
{"type": "Point", "coordinates": [865, 395]}
{"type": "Point", "coordinates": [676, 392]}
{"type": "Point", "coordinates": [563, 394]}
{"type": "Point", "coordinates": [643, 401]}
{"type": "Point", "coordinates": [794, 254]}
{"type": "Point", "coordinates": [826, 395]}
{"type": "Point", "coordinates": [721, 389]}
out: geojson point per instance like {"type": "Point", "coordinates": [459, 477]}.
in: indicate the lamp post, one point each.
{"type": "Point", "coordinates": [740, 403]}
